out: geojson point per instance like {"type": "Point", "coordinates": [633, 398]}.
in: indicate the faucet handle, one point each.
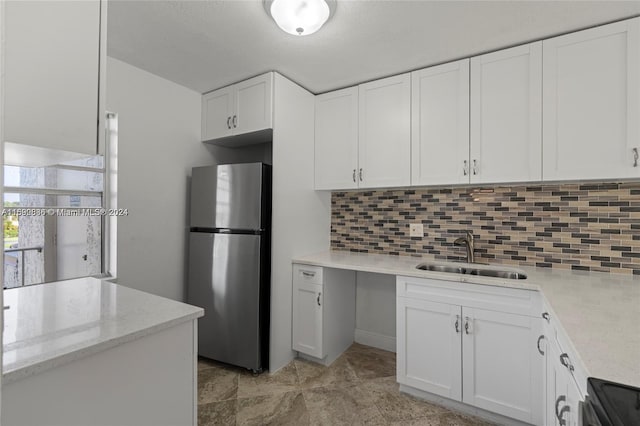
{"type": "Point", "coordinates": [470, 235]}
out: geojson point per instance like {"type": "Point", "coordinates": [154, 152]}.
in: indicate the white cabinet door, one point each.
{"type": "Point", "coordinates": [502, 369]}
{"type": "Point", "coordinates": [440, 124]}
{"type": "Point", "coordinates": [307, 318]}
{"type": "Point", "coordinates": [384, 145]}
{"type": "Point", "coordinates": [336, 140]}
{"type": "Point", "coordinates": [558, 380]}
{"type": "Point", "coordinates": [591, 95]}
{"type": "Point", "coordinates": [574, 398]}
{"type": "Point", "coordinates": [429, 346]}
{"type": "Point", "coordinates": [217, 113]}
{"type": "Point", "coordinates": [253, 103]}
{"type": "Point", "coordinates": [51, 74]}
{"type": "Point", "coordinates": [506, 115]}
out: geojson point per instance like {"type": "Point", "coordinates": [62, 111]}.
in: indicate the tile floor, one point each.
{"type": "Point", "coordinates": [359, 388]}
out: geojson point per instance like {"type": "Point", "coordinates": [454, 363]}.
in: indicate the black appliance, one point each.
{"type": "Point", "coordinates": [610, 404]}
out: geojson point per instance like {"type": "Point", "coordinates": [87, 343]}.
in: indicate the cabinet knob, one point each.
{"type": "Point", "coordinates": [635, 157]}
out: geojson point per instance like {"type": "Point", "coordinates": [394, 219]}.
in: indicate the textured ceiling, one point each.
{"type": "Point", "coordinates": [205, 45]}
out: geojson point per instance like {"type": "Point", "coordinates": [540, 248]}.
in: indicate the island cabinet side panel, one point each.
{"type": "Point", "coordinates": [148, 381]}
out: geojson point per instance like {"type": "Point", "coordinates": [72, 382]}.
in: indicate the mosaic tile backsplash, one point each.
{"type": "Point", "coordinates": [570, 226]}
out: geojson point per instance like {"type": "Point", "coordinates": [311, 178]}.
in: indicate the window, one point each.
{"type": "Point", "coordinates": [53, 221]}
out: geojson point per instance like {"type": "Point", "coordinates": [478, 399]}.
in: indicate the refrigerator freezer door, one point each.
{"type": "Point", "coordinates": [227, 196]}
{"type": "Point", "coordinates": [224, 279]}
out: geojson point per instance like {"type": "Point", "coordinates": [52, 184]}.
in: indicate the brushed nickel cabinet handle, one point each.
{"type": "Point", "coordinates": [464, 168]}
{"type": "Point", "coordinates": [564, 360]}
{"type": "Point", "coordinates": [235, 121]}
{"type": "Point", "coordinates": [540, 339]}
{"type": "Point", "coordinates": [228, 122]}
{"type": "Point", "coordinates": [635, 157]}
{"type": "Point", "coordinates": [467, 326]}
{"type": "Point", "coordinates": [560, 413]}
{"type": "Point", "coordinates": [475, 167]}
{"type": "Point", "coordinates": [546, 316]}
{"type": "Point", "coordinates": [457, 324]}
{"type": "Point", "coordinates": [318, 299]}
{"type": "Point", "coordinates": [354, 175]}
{"type": "Point", "coordinates": [360, 174]}
{"type": "Point", "coordinates": [308, 274]}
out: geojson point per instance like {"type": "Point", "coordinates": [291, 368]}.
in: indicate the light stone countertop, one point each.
{"type": "Point", "coordinates": [51, 324]}
{"type": "Point", "coordinates": [599, 312]}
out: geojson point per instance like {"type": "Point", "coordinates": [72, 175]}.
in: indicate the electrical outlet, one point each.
{"type": "Point", "coordinates": [416, 230]}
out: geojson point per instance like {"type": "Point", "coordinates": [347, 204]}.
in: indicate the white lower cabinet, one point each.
{"type": "Point", "coordinates": [564, 377]}
{"type": "Point", "coordinates": [429, 353]}
{"type": "Point", "coordinates": [307, 319]}
{"type": "Point", "coordinates": [323, 311]}
{"type": "Point", "coordinates": [502, 369]}
{"type": "Point", "coordinates": [479, 356]}
{"type": "Point", "coordinates": [560, 411]}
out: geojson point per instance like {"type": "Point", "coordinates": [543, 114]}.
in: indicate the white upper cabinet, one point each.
{"type": "Point", "coordinates": [591, 98]}
{"type": "Point", "coordinates": [243, 108]}
{"type": "Point", "coordinates": [336, 140]}
{"type": "Point", "coordinates": [253, 100]}
{"type": "Point", "coordinates": [506, 115]}
{"type": "Point", "coordinates": [52, 62]}
{"type": "Point", "coordinates": [440, 124]}
{"type": "Point", "coordinates": [384, 141]}
{"type": "Point", "coordinates": [217, 112]}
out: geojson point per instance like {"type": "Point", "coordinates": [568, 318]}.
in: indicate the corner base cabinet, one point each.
{"type": "Point", "coordinates": [566, 376]}
{"type": "Point", "coordinates": [323, 314]}
{"type": "Point", "coordinates": [454, 341]}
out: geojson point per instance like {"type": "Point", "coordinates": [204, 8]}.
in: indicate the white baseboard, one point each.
{"type": "Point", "coordinates": [380, 341]}
{"type": "Point", "coordinates": [461, 407]}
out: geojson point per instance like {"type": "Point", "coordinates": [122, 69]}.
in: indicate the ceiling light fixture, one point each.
{"type": "Point", "coordinates": [300, 17]}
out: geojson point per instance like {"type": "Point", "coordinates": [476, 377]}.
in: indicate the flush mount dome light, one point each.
{"type": "Point", "coordinates": [300, 17]}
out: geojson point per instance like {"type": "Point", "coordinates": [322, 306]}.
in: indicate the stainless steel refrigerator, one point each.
{"type": "Point", "coordinates": [229, 262]}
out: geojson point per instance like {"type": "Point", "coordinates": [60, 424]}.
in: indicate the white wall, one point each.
{"type": "Point", "coordinates": [301, 215]}
{"type": "Point", "coordinates": [158, 144]}
{"type": "Point", "coordinates": [2, 41]}
{"type": "Point", "coordinates": [376, 310]}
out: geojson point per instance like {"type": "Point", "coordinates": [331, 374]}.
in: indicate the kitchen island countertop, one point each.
{"type": "Point", "coordinates": [51, 324]}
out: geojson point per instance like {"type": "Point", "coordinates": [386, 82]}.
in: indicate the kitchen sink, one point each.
{"type": "Point", "coordinates": [441, 268]}
{"type": "Point", "coordinates": [468, 270]}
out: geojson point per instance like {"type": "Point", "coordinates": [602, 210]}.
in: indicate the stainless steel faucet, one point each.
{"type": "Point", "coordinates": [467, 241]}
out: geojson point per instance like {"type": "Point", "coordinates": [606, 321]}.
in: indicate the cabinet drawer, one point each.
{"type": "Point", "coordinates": [508, 300]}
{"type": "Point", "coordinates": [307, 274]}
